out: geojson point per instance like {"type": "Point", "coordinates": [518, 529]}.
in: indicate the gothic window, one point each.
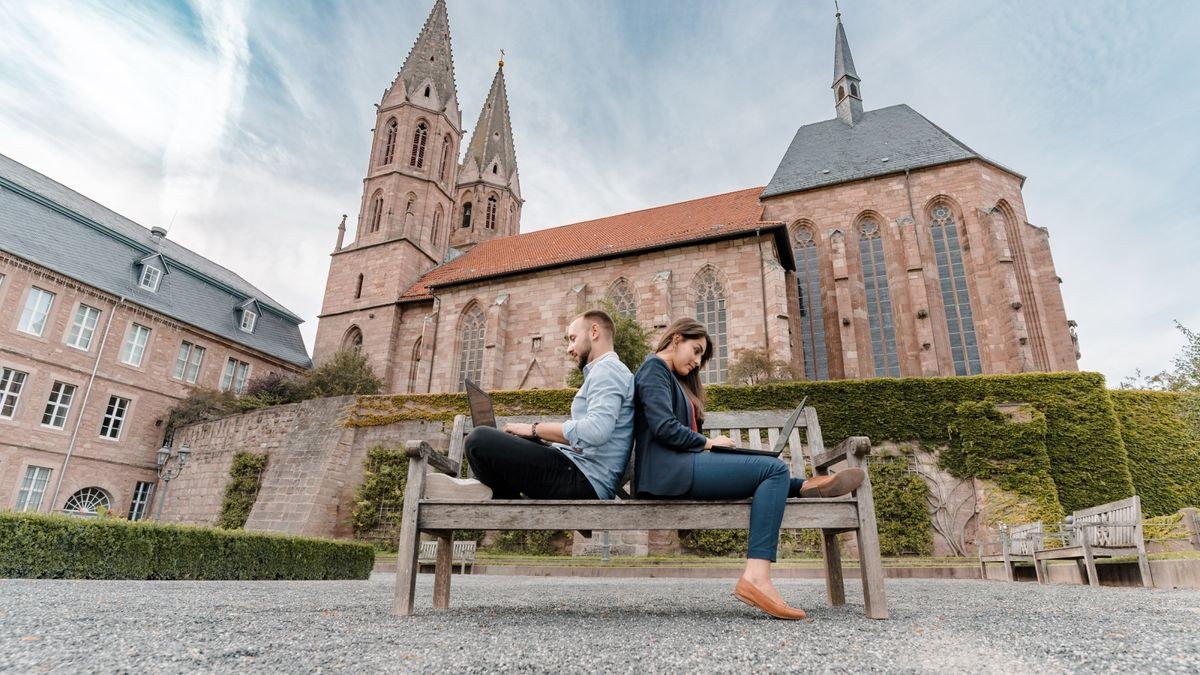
{"type": "Point", "coordinates": [414, 367]}
{"type": "Point", "coordinates": [353, 339]}
{"type": "Point", "coordinates": [879, 301]}
{"type": "Point", "coordinates": [376, 211]}
{"type": "Point", "coordinates": [710, 311]}
{"type": "Point", "coordinates": [490, 215]}
{"type": "Point", "coordinates": [417, 158]}
{"type": "Point", "coordinates": [955, 296]}
{"type": "Point", "coordinates": [437, 222]}
{"type": "Point", "coordinates": [389, 143]}
{"type": "Point", "coordinates": [87, 501]}
{"type": "Point", "coordinates": [812, 324]}
{"type": "Point", "coordinates": [623, 299]}
{"type": "Point", "coordinates": [841, 93]}
{"type": "Point", "coordinates": [470, 346]}
{"type": "Point", "coordinates": [853, 89]}
{"type": "Point", "coordinates": [442, 173]}
{"type": "Point", "coordinates": [466, 221]}
{"type": "Point", "coordinates": [358, 288]}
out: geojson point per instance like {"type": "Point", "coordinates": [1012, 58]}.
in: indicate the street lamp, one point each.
{"type": "Point", "coordinates": [166, 472]}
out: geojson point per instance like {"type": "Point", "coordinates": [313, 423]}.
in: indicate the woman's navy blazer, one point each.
{"type": "Point", "coordinates": [662, 432]}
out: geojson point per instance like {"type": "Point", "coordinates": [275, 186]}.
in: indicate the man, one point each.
{"type": "Point", "coordinates": [582, 458]}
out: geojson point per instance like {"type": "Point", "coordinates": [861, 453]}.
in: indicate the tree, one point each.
{"type": "Point", "coordinates": [755, 366]}
{"type": "Point", "coordinates": [631, 342]}
{"type": "Point", "coordinates": [347, 372]}
{"type": "Point", "coordinates": [1185, 376]}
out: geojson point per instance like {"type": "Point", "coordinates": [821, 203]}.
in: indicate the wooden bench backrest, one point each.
{"type": "Point", "coordinates": [1126, 516]}
{"type": "Point", "coordinates": [464, 551]}
{"type": "Point", "coordinates": [1025, 539]}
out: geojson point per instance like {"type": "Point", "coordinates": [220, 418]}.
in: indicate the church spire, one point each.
{"type": "Point", "coordinates": [847, 96]}
{"type": "Point", "coordinates": [491, 156]}
{"type": "Point", "coordinates": [428, 72]}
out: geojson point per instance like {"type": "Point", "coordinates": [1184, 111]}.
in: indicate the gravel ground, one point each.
{"type": "Point", "coordinates": [564, 624]}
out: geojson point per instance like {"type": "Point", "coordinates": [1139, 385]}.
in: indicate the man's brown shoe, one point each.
{"type": "Point", "coordinates": [747, 593]}
{"type": "Point", "coordinates": [841, 483]}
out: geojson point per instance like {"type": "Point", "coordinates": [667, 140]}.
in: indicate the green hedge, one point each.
{"type": "Point", "coordinates": [1163, 442]}
{"type": "Point", "coordinates": [900, 513]}
{"type": "Point", "coordinates": [61, 547]}
{"type": "Point", "coordinates": [242, 490]}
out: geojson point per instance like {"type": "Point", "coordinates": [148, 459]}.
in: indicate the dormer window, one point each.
{"type": "Point", "coordinates": [149, 278]}
{"type": "Point", "coordinates": [249, 318]}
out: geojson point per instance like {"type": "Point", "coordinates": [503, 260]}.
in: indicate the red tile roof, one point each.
{"type": "Point", "coordinates": [716, 217]}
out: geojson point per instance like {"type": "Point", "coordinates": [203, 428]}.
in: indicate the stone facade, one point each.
{"type": "Point", "coordinates": [73, 449]}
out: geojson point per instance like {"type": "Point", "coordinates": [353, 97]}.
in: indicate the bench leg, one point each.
{"type": "Point", "coordinates": [835, 587]}
{"type": "Point", "coordinates": [870, 561]}
{"type": "Point", "coordinates": [1144, 565]}
{"type": "Point", "coordinates": [1090, 565]}
{"type": "Point", "coordinates": [1037, 569]}
{"type": "Point", "coordinates": [443, 569]}
{"type": "Point", "coordinates": [410, 540]}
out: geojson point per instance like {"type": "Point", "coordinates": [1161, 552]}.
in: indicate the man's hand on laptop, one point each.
{"type": "Point", "coordinates": [722, 441]}
{"type": "Point", "coordinates": [519, 429]}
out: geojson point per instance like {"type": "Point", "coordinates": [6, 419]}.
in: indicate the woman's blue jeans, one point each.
{"type": "Point", "coordinates": [765, 479]}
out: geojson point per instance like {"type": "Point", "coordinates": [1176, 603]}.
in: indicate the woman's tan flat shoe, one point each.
{"type": "Point", "coordinates": [747, 593]}
{"type": "Point", "coordinates": [841, 483]}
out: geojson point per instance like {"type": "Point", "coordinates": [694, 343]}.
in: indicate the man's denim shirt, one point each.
{"type": "Point", "coordinates": [601, 426]}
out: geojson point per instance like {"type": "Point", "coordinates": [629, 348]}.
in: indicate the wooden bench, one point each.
{"type": "Point", "coordinates": [463, 554]}
{"type": "Point", "coordinates": [851, 513]}
{"type": "Point", "coordinates": [1105, 531]}
{"type": "Point", "coordinates": [1017, 544]}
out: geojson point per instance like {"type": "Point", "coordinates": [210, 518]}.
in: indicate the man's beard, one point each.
{"type": "Point", "coordinates": [583, 357]}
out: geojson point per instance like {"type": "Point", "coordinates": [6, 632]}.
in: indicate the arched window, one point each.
{"type": "Point", "coordinates": [437, 223]}
{"type": "Point", "coordinates": [853, 89]}
{"type": "Point", "coordinates": [490, 215]}
{"type": "Point", "coordinates": [389, 143]}
{"type": "Point", "coordinates": [414, 367]}
{"type": "Point", "coordinates": [426, 91]}
{"type": "Point", "coordinates": [443, 172]}
{"type": "Point", "coordinates": [376, 211]}
{"type": "Point", "coordinates": [710, 311]}
{"type": "Point", "coordinates": [353, 339]}
{"type": "Point", "coordinates": [417, 158]}
{"type": "Point", "coordinates": [879, 300]}
{"type": "Point", "coordinates": [956, 298]}
{"type": "Point", "coordinates": [466, 221]}
{"type": "Point", "coordinates": [812, 323]}
{"type": "Point", "coordinates": [841, 93]}
{"type": "Point", "coordinates": [470, 346]}
{"type": "Point", "coordinates": [358, 288]}
{"type": "Point", "coordinates": [623, 299]}
{"type": "Point", "coordinates": [87, 501]}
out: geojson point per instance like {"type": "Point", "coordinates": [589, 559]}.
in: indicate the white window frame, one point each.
{"type": "Point", "coordinates": [139, 504]}
{"type": "Point", "coordinates": [150, 277]}
{"type": "Point", "coordinates": [12, 381]}
{"type": "Point", "coordinates": [187, 363]}
{"type": "Point", "coordinates": [235, 375]}
{"type": "Point", "coordinates": [58, 405]}
{"type": "Point", "coordinates": [134, 349]}
{"type": "Point", "coordinates": [115, 415]}
{"type": "Point", "coordinates": [249, 318]}
{"type": "Point", "coordinates": [34, 483]}
{"type": "Point", "coordinates": [33, 315]}
{"type": "Point", "coordinates": [83, 328]}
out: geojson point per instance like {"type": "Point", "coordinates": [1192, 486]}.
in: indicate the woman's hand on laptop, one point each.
{"type": "Point", "coordinates": [722, 441]}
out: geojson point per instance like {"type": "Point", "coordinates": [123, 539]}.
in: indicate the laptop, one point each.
{"type": "Point", "coordinates": [483, 412]}
{"type": "Point", "coordinates": [780, 443]}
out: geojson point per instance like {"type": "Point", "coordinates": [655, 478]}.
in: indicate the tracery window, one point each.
{"type": "Point", "coordinates": [956, 297]}
{"type": "Point", "coordinates": [812, 323]}
{"type": "Point", "coordinates": [389, 143]}
{"type": "Point", "coordinates": [879, 300]}
{"type": "Point", "coordinates": [490, 215]}
{"type": "Point", "coordinates": [623, 299]}
{"type": "Point", "coordinates": [710, 311]}
{"type": "Point", "coordinates": [353, 339]}
{"type": "Point", "coordinates": [417, 158]}
{"type": "Point", "coordinates": [87, 500]}
{"type": "Point", "coordinates": [376, 211]}
{"type": "Point", "coordinates": [470, 346]}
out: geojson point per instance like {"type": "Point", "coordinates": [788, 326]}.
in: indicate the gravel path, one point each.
{"type": "Point", "coordinates": [564, 624]}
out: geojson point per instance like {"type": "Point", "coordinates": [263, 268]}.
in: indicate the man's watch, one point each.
{"type": "Point", "coordinates": [533, 431]}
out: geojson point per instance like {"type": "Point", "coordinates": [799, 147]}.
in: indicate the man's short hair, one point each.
{"type": "Point", "coordinates": [602, 318]}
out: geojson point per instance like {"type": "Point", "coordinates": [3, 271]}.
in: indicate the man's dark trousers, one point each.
{"type": "Point", "coordinates": [513, 466]}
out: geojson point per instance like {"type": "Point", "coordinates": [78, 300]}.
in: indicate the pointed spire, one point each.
{"type": "Point", "coordinates": [431, 58]}
{"type": "Point", "coordinates": [847, 97]}
{"type": "Point", "coordinates": [843, 61]}
{"type": "Point", "coordinates": [492, 141]}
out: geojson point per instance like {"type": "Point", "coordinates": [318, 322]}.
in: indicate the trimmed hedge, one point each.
{"type": "Point", "coordinates": [900, 514]}
{"type": "Point", "coordinates": [1163, 442]}
{"type": "Point", "coordinates": [60, 547]}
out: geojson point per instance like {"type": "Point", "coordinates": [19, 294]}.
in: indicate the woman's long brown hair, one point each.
{"type": "Point", "coordinates": [688, 328]}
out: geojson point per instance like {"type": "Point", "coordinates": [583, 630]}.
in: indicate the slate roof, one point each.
{"type": "Point", "coordinates": [51, 225]}
{"type": "Point", "coordinates": [710, 218]}
{"type": "Point", "coordinates": [831, 152]}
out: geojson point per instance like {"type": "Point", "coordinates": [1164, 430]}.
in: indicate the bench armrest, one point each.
{"type": "Point", "coordinates": [424, 451]}
{"type": "Point", "coordinates": [855, 446]}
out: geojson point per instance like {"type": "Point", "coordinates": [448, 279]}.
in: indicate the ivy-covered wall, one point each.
{"type": "Point", "coordinates": [245, 478]}
{"type": "Point", "coordinates": [1162, 438]}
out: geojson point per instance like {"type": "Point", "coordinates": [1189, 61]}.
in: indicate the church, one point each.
{"type": "Point", "coordinates": [881, 247]}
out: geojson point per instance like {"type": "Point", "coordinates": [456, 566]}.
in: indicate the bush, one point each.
{"type": "Point", "coordinates": [242, 490]}
{"type": "Point", "coordinates": [903, 521]}
{"type": "Point", "coordinates": [201, 405]}
{"type": "Point", "coordinates": [345, 373]}
{"type": "Point", "coordinates": [273, 389]}
{"type": "Point", "coordinates": [755, 366]}
{"type": "Point", "coordinates": [722, 543]}
{"type": "Point", "coordinates": [631, 342]}
{"type": "Point", "coordinates": [60, 547]}
{"type": "Point", "coordinates": [385, 474]}
{"type": "Point", "coordinates": [533, 542]}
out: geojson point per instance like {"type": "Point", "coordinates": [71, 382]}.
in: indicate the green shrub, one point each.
{"type": "Point", "coordinates": [902, 519]}
{"type": "Point", "coordinates": [242, 490]}
{"type": "Point", "coordinates": [532, 542]}
{"type": "Point", "coordinates": [720, 543]}
{"type": "Point", "coordinates": [1163, 441]}
{"type": "Point", "coordinates": [385, 474]}
{"type": "Point", "coordinates": [60, 547]}
{"type": "Point", "coordinates": [347, 372]}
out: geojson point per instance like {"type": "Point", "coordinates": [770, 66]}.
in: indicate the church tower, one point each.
{"type": "Point", "coordinates": [403, 227]}
{"type": "Point", "coordinates": [488, 189]}
{"type": "Point", "coordinates": [847, 95]}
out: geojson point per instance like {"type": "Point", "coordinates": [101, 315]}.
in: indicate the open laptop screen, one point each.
{"type": "Point", "coordinates": [482, 412]}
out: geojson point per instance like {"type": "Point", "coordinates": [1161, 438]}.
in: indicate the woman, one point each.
{"type": "Point", "coordinates": [670, 460]}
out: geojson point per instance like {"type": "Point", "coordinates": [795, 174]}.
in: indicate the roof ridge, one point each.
{"type": "Point", "coordinates": [652, 208]}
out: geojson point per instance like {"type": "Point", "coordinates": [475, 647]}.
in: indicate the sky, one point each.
{"type": "Point", "coordinates": [245, 127]}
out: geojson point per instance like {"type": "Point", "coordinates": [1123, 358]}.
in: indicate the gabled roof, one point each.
{"type": "Point", "coordinates": [722, 216]}
{"type": "Point", "coordinates": [162, 262]}
{"type": "Point", "coordinates": [831, 152]}
{"type": "Point", "coordinates": [55, 227]}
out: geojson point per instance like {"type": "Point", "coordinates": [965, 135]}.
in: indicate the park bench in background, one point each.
{"type": "Point", "coordinates": [1016, 544]}
{"type": "Point", "coordinates": [463, 554]}
{"type": "Point", "coordinates": [1105, 531]}
{"type": "Point", "coordinates": [851, 513]}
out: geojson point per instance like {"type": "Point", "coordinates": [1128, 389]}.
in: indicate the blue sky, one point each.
{"type": "Point", "coordinates": [245, 125]}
